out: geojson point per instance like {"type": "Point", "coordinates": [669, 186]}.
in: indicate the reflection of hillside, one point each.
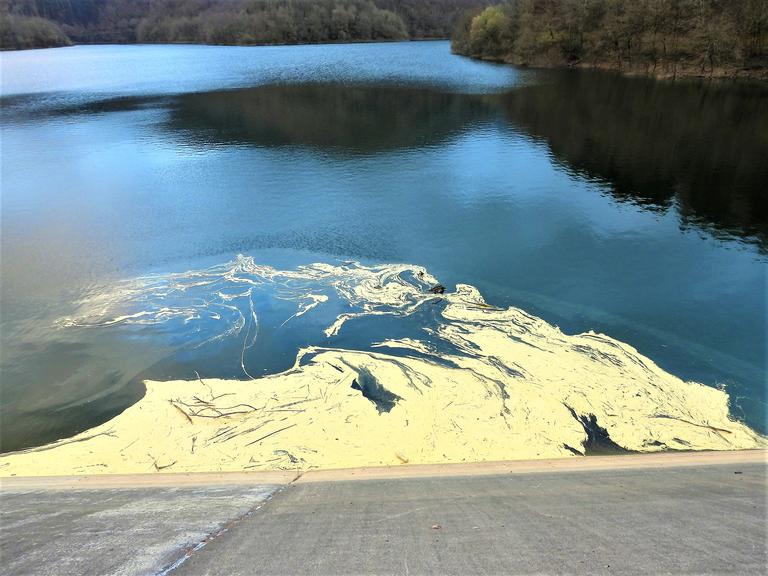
{"type": "Point", "coordinates": [348, 118]}
{"type": "Point", "coordinates": [701, 147]}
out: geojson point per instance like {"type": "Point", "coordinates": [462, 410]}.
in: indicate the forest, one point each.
{"type": "Point", "coordinates": [656, 37]}
{"type": "Point", "coordinates": [47, 23]}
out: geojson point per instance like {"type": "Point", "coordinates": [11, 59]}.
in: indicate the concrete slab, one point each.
{"type": "Point", "coordinates": [115, 530]}
{"type": "Point", "coordinates": [649, 514]}
{"type": "Point", "coordinates": [688, 520]}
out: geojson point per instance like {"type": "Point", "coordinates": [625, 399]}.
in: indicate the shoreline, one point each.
{"type": "Point", "coordinates": [732, 73]}
{"type": "Point", "coordinates": [234, 45]}
{"type": "Point", "coordinates": [646, 461]}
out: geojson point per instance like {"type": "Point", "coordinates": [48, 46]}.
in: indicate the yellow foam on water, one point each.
{"type": "Point", "coordinates": [507, 385]}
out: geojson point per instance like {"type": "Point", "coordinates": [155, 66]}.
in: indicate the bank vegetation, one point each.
{"type": "Point", "coordinates": [655, 37]}
{"type": "Point", "coordinates": [46, 23]}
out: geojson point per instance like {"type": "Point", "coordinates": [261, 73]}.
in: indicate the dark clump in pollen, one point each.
{"type": "Point", "coordinates": [598, 440]}
{"type": "Point", "coordinates": [383, 399]}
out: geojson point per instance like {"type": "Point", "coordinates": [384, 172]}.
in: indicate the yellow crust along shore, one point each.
{"type": "Point", "coordinates": [616, 462]}
{"type": "Point", "coordinates": [491, 384]}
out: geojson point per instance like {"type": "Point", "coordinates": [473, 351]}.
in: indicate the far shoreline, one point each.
{"type": "Point", "coordinates": [734, 73]}
{"type": "Point", "coordinates": [328, 43]}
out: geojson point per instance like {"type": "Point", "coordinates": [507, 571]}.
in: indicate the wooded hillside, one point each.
{"type": "Point", "coordinates": [658, 37]}
{"type": "Point", "coordinates": [43, 23]}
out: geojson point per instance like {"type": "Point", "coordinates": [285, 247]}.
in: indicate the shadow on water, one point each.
{"type": "Point", "coordinates": [328, 117]}
{"type": "Point", "coordinates": [21, 108]}
{"type": "Point", "coordinates": [697, 146]}
{"type": "Point", "coordinates": [361, 119]}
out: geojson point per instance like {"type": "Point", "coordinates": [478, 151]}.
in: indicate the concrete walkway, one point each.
{"type": "Point", "coordinates": [115, 530]}
{"type": "Point", "coordinates": [658, 514]}
{"type": "Point", "coordinates": [698, 520]}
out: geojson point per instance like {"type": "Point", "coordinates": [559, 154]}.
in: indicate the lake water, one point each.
{"type": "Point", "coordinates": [625, 206]}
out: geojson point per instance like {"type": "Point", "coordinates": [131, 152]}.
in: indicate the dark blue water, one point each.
{"type": "Point", "coordinates": [630, 207]}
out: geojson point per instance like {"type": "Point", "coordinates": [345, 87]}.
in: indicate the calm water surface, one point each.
{"type": "Point", "coordinates": [625, 206]}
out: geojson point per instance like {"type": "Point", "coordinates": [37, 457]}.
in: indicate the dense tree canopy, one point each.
{"type": "Point", "coordinates": [87, 21]}
{"type": "Point", "coordinates": [30, 32]}
{"type": "Point", "coordinates": [654, 36]}
{"type": "Point", "coordinates": [430, 18]}
{"type": "Point", "coordinates": [37, 23]}
{"type": "Point", "coordinates": [268, 22]}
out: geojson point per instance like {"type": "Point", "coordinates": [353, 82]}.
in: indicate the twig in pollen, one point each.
{"type": "Point", "coordinates": [110, 433]}
{"type": "Point", "coordinates": [219, 414]}
{"type": "Point", "coordinates": [270, 434]}
{"type": "Point", "coordinates": [129, 445]}
{"type": "Point", "coordinates": [157, 466]}
{"type": "Point", "coordinates": [181, 411]}
{"type": "Point", "coordinates": [294, 403]}
{"type": "Point", "coordinates": [229, 435]}
{"type": "Point", "coordinates": [221, 431]}
{"type": "Point", "coordinates": [713, 428]}
{"type": "Point", "coordinates": [210, 390]}
{"type": "Point", "coordinates": [253, 408]}
{"type": "Point", "coordinates": [197, 409]}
